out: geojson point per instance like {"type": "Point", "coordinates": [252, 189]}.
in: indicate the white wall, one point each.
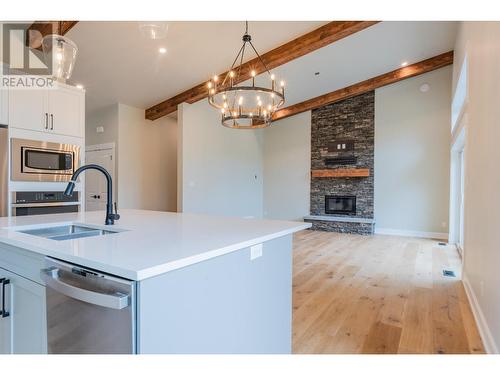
{"type": "Point", "coordinates": [146, 151]}
{"type": "Point", "coordinates": [287, 166]}
{"type": "Point", "coordinates": [480, 42]}
{"type": "Point", "coordinates": [412, 155]}
{"type": "Point", "coordinates": [146, 161]}
{"type": "Point", "coordinates": [106, 117]}
{"type": "Point", "coordinates": [220, 169]}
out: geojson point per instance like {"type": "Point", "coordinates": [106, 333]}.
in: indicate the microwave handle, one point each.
{"type": "Point", "coordinates": [51, 121]}
{"type": "Point", "coordinates": [46, 120]}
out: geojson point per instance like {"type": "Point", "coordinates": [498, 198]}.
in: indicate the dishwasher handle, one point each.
{"type": "Point", "coordinates": [117, 300]}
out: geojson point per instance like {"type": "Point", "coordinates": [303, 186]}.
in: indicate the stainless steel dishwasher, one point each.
{"type": "Point", "coordinates": [88, 312]}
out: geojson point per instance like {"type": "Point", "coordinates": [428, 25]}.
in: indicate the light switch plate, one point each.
{"type": "Point", "coordinates": [256, 251]}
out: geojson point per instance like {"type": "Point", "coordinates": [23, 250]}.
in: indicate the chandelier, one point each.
{"type": "Point", "coordinates": [248, 105]}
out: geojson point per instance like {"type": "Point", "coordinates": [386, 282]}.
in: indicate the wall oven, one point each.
{"type": "Point", "coordinates": [43, 161]}
{"type": "Point", "coordinates": [43, 202]}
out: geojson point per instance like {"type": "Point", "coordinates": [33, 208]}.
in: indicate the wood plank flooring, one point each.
{"type": "Point", "coordinates": [378, 294]}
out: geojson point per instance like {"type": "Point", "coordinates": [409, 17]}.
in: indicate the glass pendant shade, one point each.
{"type": "Point", "coordinates": [154, 29]}
{"type": "Point", "coordinates": [60, 52]}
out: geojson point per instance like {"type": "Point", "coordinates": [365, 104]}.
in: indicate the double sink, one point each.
{"type": "Point", "coordinates": [67, 232]}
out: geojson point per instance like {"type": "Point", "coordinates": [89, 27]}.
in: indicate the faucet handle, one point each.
{"type": "Point", "coordinates": [116, 216]}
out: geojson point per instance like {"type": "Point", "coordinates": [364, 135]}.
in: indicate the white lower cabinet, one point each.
{"type": "Point", "coordinates": [23, 322]}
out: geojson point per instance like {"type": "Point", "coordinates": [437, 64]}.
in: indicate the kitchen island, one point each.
{"type": "Point", "coordinates": [196, 283]}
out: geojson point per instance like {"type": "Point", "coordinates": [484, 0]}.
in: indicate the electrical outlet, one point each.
{"type": "Point", "coordinates": [256, 251]}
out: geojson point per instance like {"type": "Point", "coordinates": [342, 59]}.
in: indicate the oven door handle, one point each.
{"type": "Point", "coordinates": [117, 300]}
{"type": "Point", "coordinates": [47, 204]}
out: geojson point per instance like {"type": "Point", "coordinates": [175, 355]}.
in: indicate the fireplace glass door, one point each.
{"type": "Point", "coordinates": [343, 205]}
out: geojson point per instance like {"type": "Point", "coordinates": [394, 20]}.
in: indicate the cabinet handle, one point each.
{"type": "Point", "coordinates": [5, 313]}
{"type": "Point", "coordinates": [51, 121]}
{"type": "Point", "coordinates": [46, 120]}
{"type": "Point", "coordinates": [1, 307]}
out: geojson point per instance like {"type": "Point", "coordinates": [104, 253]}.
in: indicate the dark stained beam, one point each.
{"type": "Point", "coordinates": [359, 88]}
{"type": "Point", "coordinates": [321, 37]}
{"type": "Point", "coordinates": [39, 29]}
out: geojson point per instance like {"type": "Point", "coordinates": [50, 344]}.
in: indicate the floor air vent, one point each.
{"type": "Point", "coordinates": [448, 273]}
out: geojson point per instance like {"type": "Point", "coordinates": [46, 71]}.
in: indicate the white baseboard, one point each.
{"type": "Point", "coordinates": [484, 331]}
{"type": "Point", "coordinates": [411, 233]}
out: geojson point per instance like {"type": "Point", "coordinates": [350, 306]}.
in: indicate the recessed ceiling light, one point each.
{"type": "Point", "coordinates": [425, 87]}
{"type": "Point", "coordinates": [79, 86]}
{"type": "Point", "coordinates": [162, 50]}
{"type": "Point", "coordinates": [404, 63]}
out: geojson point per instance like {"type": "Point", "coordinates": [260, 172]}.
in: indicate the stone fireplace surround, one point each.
{"type": "Point", "coordinates": [343, 132]}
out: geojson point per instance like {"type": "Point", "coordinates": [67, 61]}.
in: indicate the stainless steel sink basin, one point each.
{"type": "Point", "coordinates": [67, 232]}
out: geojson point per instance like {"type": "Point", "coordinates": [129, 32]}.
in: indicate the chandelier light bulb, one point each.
{"type": "Point", "coordinates": [209, 84]}
{"type": "Point", "coordinates": [231, 74]}
{"type": "Point", "coordinates": [240, 100]}
{"type": "Point", "coordinates": [282, 83]}
{"type": "Point", "coordinates": [272, 77]}
{"type": "Point", "coordinates": [216, 78]}
{"type": "Point", "coordinates": [212, 91]}
{"type": "Point", "coordinates": [223, 110]}
{"type": "Point", "coordinates": [253, 73]}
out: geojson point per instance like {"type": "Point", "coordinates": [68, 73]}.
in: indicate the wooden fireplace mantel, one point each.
{"type": "Point", "coordinates": [341, 172]}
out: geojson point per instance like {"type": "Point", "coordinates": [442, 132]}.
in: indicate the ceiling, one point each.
{"type": "Point", "coordinates": [116, 64]}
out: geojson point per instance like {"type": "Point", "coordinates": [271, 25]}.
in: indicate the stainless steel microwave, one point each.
{"type": "Point", "coordinates": [43, 161]}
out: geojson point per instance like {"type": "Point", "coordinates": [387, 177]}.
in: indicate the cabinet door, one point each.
{"type": "Point", "coordinates": [28, 109]}
{"type": "Point", "coordinates": [5, 324]}
{"type": "Point", "coordinates": [25, 302]}
{"type": "Point", "coordinates": [4, 106]}
{"type": "Point", "coordinates": [66, 107]}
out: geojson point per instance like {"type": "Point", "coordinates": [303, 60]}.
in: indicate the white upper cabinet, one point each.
{"type": "Point", "coordinates": [59, 110]}
{"type": "Point", "coordinates": [4, 107]}
{"type": "Point", "coordinates": [65, 111]}
{"type": "Point", "coordinates": [28, 109]}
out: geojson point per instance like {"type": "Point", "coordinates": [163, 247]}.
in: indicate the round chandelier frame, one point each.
{"type": "Point", "coordinates": [234, 101]}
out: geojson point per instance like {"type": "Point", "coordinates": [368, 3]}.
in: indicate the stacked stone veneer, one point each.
{"type": "Point", "coordinates": [350, 119]}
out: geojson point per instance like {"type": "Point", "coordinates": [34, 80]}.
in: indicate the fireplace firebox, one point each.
{"type": "Point", "coordinates": [340, 204]}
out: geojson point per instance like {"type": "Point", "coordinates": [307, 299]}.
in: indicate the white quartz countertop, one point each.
{"type": "Point", "coordinates": [149, 242]}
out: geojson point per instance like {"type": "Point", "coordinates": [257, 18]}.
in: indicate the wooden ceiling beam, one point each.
{"type": "Point", "coordinates": [359, 88]}
{"type": "Point", "coordinates": [321, 37]}
{"type": "Point", "coordinates": [39, 29]}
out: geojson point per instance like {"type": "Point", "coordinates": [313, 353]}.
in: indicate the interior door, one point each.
{"type": "Point", "coordinates": [95, 182]}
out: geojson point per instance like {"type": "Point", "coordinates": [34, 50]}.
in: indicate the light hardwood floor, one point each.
{"type": "Point", "coordinates": [378, 294]}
